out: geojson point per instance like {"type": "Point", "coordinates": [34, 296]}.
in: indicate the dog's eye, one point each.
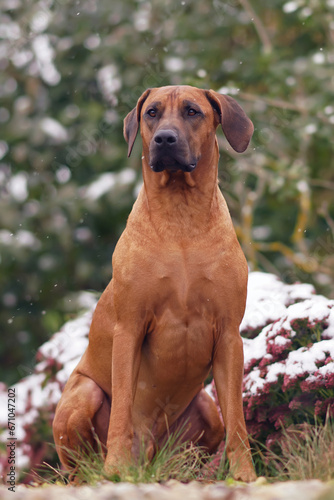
{"type": "Point", "coordinates": [152, 113]}
{"type": "Point", "coordinates": [192, 112]}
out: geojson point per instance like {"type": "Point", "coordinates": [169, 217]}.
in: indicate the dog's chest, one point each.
{"type": "Point", "coordinates": [188, 282]}
{"type": "Point", "coordinates": [180, 345]}
{"type": "Point", "coordinates": [185, 310]}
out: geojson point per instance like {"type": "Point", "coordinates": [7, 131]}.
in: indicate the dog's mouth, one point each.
{"type": "Point", "coordinates": [172, 165]}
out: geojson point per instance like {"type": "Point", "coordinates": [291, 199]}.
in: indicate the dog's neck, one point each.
{"type": "Point", "coordinates": [183, 203]}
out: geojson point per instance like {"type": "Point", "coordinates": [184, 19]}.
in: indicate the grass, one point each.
{"type": "Point", "coordinates": [183, 461]}
{"type": "Point", "coordinates": [306, 452]}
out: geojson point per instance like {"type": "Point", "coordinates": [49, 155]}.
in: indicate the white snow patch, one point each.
{"type": "Point", "coordinates": [18, 186]}
{"type": "Point", "coordinates": [45, 54]}
{"type": "Point", "coordinates": [70, 341]}
{"type": "Point", "coordinates": [40, 20]}
{"type": "Point", "coordinates": [22, 239]}
{"type": "Point", "coordinates": [107, 182]}
{"type": "Point", "coordinates": [10, 31]}
{"type": "Point", "coordinates": [3, 408]}
{"type": "Point", "coordinates": [253, 382]}
{"type": "Point", "coordinates": [27, 239]}
{"type": "Point", "coordinates": [109, 82]}
{"type": "Point", "coordinates": [290, 7]}
{"type": "Point", "coordinates": [64, 374]}
{"type": "Point", "coordinates": [3, 149]}
{"type": "Point", "coordinates": [268, 298]}
{"type": "Point", "coordinates": [279, 340]}
{"type": "Point", "coordinates": [316, 309]}
{"type": "Point", "coordinates": [86, 300]}
{"type": "Point", "coordinates": [274, 371]}
{"type": "Point", "coordinates": [256, 348]}
{"type": "Point", "coordinates": [174, 64]}
{"type": "Point", "coordinates": [54, 129]}
{"type": "Point", "coordinates": [208, 390]}
{"type": "Point", "coordinates": [229, 90]}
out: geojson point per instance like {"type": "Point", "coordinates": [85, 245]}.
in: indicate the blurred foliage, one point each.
{"type": "Point", "coordinates": [69, 73]}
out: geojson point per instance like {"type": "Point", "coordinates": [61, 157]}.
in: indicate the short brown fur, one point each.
{"type": "Point", "coordinates": [172, 311]}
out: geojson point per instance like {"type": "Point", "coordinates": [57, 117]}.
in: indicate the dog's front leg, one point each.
{"type": "Point", "coordinates": [126, 354]}
{"type": "Point", "coordinates": [228, 376]}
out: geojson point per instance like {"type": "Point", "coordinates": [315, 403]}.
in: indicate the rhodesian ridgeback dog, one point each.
{"type": "Point", "coordinates": [172, 310]}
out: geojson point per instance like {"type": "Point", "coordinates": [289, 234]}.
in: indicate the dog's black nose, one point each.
{"type": "Point", "coordinates": [165, 138]}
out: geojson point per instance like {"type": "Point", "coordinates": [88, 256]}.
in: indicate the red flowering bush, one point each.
{"type": "Point", "coordinates": [37, 395]}
{"type": "Point", "coordinates": [288, 334]}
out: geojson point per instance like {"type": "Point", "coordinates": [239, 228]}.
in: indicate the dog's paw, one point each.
{"type": "Point", "coordinates": [242, 468]}
{"type": "Point", "coordinates": [245, 474]}
{"type": "Point", "coordinates": [111, 469]}
{"type": "Point", "coordinates": [116, 463]}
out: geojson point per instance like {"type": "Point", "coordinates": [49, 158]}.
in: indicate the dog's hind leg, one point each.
{"type": "Point", "coordinates": [200, 423]}
{"type": "Point", "coordinates": [81, 420]}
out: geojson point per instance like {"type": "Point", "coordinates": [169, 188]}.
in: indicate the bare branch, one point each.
{"type": "Point", "coordinates": [259, 26]}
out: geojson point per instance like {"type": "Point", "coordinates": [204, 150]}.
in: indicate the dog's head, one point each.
{"type": "Point", "coordinates": [177, 120]}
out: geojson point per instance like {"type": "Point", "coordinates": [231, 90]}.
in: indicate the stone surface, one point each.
{"type": "Point", "coordinates": [173, 490]}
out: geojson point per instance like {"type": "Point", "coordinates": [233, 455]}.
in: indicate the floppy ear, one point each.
{"type": "Point", "coordinates": [236, 125]}
{"type": "Point", "coordinates": [131, 121]}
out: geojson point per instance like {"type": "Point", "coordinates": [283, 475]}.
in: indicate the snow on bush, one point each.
{"type": "Point", "coordinates": [37, 395]}
{"type": "Point", "coordinates": [289, 356]}
{"type": "Point", "coordinates": [288, 334]}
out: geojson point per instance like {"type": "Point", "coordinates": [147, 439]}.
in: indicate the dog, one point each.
{"type": "Point", "coordinates": [171, 312]}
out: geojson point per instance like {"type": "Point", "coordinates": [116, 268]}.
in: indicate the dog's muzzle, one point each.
{"type": "Point", "coordinates": [167, 153]}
